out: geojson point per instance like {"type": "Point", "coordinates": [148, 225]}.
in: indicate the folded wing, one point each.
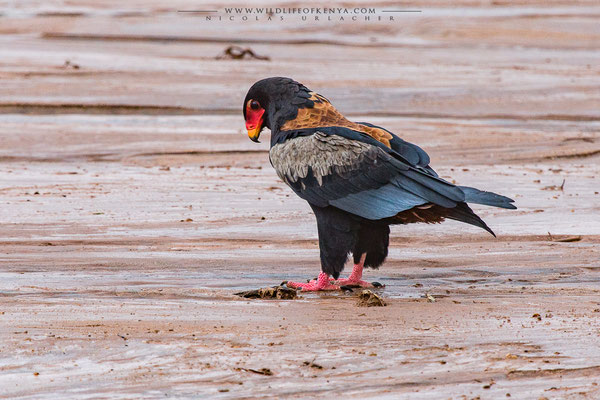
{"type": "Point", "coordinates": [358, 177]}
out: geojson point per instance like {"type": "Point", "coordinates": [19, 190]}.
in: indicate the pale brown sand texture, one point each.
{"type": "Point", "coordinates": [134, 206]}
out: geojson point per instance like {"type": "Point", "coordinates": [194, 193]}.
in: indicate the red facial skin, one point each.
{"type": "Point", "coordinates": [254, 121]}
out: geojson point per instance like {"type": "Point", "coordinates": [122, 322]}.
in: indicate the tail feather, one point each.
{"type": "Point", "coordinates": [477, 196]}
{"type": "Point", "coordinates": [463, 213]}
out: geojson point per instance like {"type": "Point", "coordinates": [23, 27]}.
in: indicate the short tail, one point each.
{"type": "Point", "coordinates": [463, 213]}
{"type": "Point", "coordinates": [477, 196]}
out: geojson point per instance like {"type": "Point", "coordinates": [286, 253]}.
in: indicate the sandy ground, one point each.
{"type": "Point", "coordinates": [134, 206]}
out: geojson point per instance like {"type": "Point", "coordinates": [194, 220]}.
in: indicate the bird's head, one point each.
{"type": "Point", "coordinates": [271, 102]}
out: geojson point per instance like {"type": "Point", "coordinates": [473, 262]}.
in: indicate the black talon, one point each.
{"type": "Point", "coordinates": [377, 284]}
{"type": "Point", "coordinates": [347, 288]}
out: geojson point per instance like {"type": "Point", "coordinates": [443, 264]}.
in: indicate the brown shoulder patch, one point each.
{"type": "Point", "coordinates": [378, 134]}
{"type": "Point", "coordinates": [323, 114]}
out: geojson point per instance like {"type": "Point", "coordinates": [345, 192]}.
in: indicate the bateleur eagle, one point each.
{"type": "Point", "coordinates": [357, 177]}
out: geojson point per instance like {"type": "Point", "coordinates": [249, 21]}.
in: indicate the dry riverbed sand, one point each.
{"type": "Point", "coordinates": [134, 207]}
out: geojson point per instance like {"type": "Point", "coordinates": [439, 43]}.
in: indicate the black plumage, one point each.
{"type": "Point", "coordinates": [358, 178]}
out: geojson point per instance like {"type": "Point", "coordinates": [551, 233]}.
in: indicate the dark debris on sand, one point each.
{"type": "Point", "coordinates": [274, 292]}
{"type": "Point", "coordinates": [367, 298]}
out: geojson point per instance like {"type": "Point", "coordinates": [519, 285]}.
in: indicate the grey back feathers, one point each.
{"type": "Point", "coordinates": [351, 175]}
{"type": "Point", "coordinates": [321, 154]}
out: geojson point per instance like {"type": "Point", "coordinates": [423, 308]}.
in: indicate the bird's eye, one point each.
{"type": "Point", "coordinates": [255, 105]}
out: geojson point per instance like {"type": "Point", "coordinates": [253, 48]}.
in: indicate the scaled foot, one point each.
{"type": "Point", "coordinates": [354, 282]}
{"type": "Point", "coordinates": [355, 278]}
{"type": "Point", "coordinates": [321, 283]}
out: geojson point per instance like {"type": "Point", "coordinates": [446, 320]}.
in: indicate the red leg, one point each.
{"type": "Point", "coordinates": [355, 277]}
{"type": "Point", "coordinates": [321, 283]}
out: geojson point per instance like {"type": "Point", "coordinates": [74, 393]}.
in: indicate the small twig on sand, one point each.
{"type": "Point", "coordinates": [239, 53]}
{"type": "Point", "coordinates": [554, 187]}
{"type": "Point", "coordinates": [567, 239]}
{"type": "Point", "coordinates": [262, 371]}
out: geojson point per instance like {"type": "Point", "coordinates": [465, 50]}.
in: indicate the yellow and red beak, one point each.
{"type": "Point", "coordinates": [254, 124]}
